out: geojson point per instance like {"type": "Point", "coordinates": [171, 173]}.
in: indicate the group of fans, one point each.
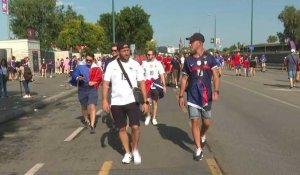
{"type": "Point", "coordinates": [126, 81]}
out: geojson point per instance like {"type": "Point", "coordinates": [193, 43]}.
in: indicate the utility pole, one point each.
{"type": "Point", "coordinates": [113, 21]}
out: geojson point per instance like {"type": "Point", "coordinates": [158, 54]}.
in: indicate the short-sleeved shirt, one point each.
{"type": "Point", "coordinates": [199, 72]}
{"type": "Point", "coordinates": [152, 69]}
{"type": "Point", "coordinates": [121, 91]}
{"type": "Point", "coordinates": [167, 63]}
{"type": "Point", "coordinates": [176, 63]}
{"type": "Point", "coordinates": [292, 60]}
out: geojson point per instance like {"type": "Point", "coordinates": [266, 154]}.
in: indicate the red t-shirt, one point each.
{"type": "Point", "coordinates": [159, 58]}
{"type": "Point", "coordinates": [167, 64]}
{"type": "Point", "coordinates": [246, 64]}
{"type": "Point", "coordinates": [237, 59]}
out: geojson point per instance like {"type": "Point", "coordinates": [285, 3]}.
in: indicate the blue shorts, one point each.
{"type": "Point", "coordinates": [88, 96]}
{"type": "Point", "coordinates": [198, 113]}
{"type": "Point", "coordinates": [292, 74]}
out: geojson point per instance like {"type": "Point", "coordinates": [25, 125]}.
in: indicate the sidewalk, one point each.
{"type": "Point", "coordinates": [43, 91]}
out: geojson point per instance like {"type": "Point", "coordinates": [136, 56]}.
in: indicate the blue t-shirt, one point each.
{"type": "Point", "coordinates": [199, 72]}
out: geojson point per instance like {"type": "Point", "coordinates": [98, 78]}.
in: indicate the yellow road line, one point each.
{"type": "Point", "coordinates": [105, 168]}
{"type": "Point", "coordinates": [213, 166]}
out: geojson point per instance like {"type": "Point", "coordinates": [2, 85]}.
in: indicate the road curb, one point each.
{"type": "Point", "coordinates": [30, 108]}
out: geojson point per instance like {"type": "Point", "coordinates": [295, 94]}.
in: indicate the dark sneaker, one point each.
{"type": "Point", "coordinates": [198, 154]}
{"type": "Point", "coordinates": [92, 130]}
{"type": "Point", "coordinates": [87, 123]}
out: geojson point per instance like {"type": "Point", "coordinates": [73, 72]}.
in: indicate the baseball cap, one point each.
{"type": "Point", "coordinates": [197, 37]}
{"type": "Point", "coordinates": [122, 45]}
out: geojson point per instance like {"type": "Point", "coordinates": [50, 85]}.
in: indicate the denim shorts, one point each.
{"type": "Point", "coordinates": [292, 73]}
{"type": "Point", "coordinates": [198, 113]}
{"type": "Point", "coordinates": [88, 96]}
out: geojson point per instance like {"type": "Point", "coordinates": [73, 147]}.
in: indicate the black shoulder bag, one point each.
{"type": "Point", "coordinates": [137, 92]}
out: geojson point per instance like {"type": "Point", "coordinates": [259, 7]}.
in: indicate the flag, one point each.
{"type": "Point", "coordinates": [293, 45]}
{"type": "Point", "coordinates": [5, 7]}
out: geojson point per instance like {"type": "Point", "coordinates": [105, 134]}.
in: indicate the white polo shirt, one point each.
{"type": "Point", "coordinates": [152, 69]}
{"type": "Point", "coordinates": [121, 92]}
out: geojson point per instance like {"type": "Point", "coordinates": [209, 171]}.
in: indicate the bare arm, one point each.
{"type": "Point", "coordinates": [182, 89]}
{"type": "Point", "coordinates": [105, 105]}
{"type": "Point", "coordinates": [216, 78]}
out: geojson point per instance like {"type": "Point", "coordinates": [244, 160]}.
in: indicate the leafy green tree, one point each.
{"type": "Point", "coordinates": [132, 26]}
{"type": "Point", "coordinates": [78, 32]}
{"type": "Point", "coordinates": [272, 39]}
{"type": "Point", "coordinates": [150, 45]}
{"type": "Point", "coordinates": [39, 15]}
{"type": "Point", "coordinates": [290, 17]}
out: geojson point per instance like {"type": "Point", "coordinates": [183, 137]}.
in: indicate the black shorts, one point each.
{"type": "Point", "coordinates": [121, 112]}
{"type": "Point", "coordinates": [153, 94]}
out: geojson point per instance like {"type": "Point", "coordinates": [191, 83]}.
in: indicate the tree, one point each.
{"type": "Point", "coordinates": [79, 33]}
{"type": "Point", "coordinates": [272, 39]}
{"type": "Point", "coordinates": [132, 26]}
{"type": "Point", "coordinates": [150, 45]}
{"type": "Point", "coordinates": [290, 17]}
{"type": "Point", "coordinates": [38, 15]}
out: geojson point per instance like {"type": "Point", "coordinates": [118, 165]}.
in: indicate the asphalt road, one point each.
{"type": "Point", "coordinates": [255, 131]}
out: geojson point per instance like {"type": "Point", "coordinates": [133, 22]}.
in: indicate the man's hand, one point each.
{"type": "Point", "coordinates": [105, 106]}
{"type": "Point", "coordinates": [165, 89]}
{"type": "Point", "coordinates": [80, 78]}
{"type": "Point", "coordinates": [215, 96]}
{"type": "Point", "coordinates": [181, 102]}
{"type": "Point", "coordinates": [145, 108]}
{"type": "Point", "coordinates": [92, 83]}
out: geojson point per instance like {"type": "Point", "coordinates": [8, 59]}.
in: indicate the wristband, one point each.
{"type": "Point", "coordinates": [180, 96]}
{"type": "Point", "coordinates": [217, 91]}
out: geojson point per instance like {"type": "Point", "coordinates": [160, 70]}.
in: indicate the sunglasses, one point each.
{"type": "Point", "coordinates": [114, 50]}
{"type": "Point", "coordinates": [88, 60]}
{"type": "Point", "coordinates": [149, 54]}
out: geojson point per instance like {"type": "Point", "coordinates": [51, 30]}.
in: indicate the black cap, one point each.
{"type": "Point", "coordinates": [197, 37]}
{"type": "Point", "coordinates": [122, 45]}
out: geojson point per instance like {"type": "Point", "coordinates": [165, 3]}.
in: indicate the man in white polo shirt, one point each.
{"type": "Point", "coordinates": [123, 103]}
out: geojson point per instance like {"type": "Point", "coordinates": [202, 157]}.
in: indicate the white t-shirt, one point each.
{"type": "Point", "coordinates": [121, 92]}
{"type": "Point", "coordinates": [182, 60]}
{"type": "Point", "coordinates": [152, 69]}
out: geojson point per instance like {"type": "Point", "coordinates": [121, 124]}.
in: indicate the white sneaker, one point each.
{"type": "Point", "coordinates": [203, 139]}
{"type": "Point", "coordinates": [136, 157]}
{"type": "Point", "coordinates": [176, 87]}
{"type": "Point", "coordinates": [25, 96]}
{"type": "Point", "coordinates": [154, 121]}
{"type": "Point", "coordinates": [127, 158]}
{"type": "Point", "coordinates": [198, 154]}
{"type": "Point", "coordinates": [147, 121]}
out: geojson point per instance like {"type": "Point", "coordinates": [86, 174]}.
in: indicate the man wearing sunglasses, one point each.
{"type": "Point", "coordinates": [87, 76]}
{"type": "Point", "coordinates": [114, 53]}
{"type": "Point", "coordinates": [155, 79]}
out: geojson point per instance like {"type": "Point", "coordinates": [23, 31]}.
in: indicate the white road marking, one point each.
{"type": "Point", "coordinates": [288, 90]}
{"type": "Point", "coordinates": [74, 134]}
{"type": "Point", "coordinates": [263, 95]}
{"type": "Point", "coordinates": [99, 112]}
{"type": "Point", "coordinates": [34, 169]}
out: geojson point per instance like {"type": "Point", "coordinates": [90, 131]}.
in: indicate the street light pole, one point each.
{"type": "Point", "coordinates": [251, 43]}
{"type": "Point", "coordinates": [215, 32]}
{"type": "Point", "coordinates": [113, 21]}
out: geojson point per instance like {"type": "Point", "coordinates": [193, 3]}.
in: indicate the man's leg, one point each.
{"type": "Point", "coordinates": [85, 113]}
{"type": "Point", "coordinates": [135, 136]}
{"type": "Point", "coordinates": [124, 139]}
{"type": "Point", "coordinates": [196, 131]}
{"type": "Point", "coordinates": [92, 108]}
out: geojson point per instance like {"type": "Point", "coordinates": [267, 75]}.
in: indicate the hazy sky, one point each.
{"type": "Point", "coordinates": [175, 19]}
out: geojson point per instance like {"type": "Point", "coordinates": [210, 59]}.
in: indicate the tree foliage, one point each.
{"type": "Point", "coordinates": [290, 17]}
{"type": "Point", "coordinates": [272, 39]}
{"type": "Point", "coordinates": [39, 15]}
{"type": "Point", "coordinates": [132, 25]}
{"type": "Point", "coordinates": [79, 33]}
{"type": "Point", "coordinates": [150, 45]}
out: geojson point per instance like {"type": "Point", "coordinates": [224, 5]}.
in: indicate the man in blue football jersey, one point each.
{"type": "Point", "coordinates": [198, 70]}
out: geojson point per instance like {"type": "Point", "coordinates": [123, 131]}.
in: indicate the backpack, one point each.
{"type": "Point", "coordinates": [27, 73]}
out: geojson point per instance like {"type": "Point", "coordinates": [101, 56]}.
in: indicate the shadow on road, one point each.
{"type": "Point", "coordinates": [175, 135]}
{"type": "Point", "coordinates": [278, 85]}
{"type": "Point", "coordinates": [112, 135]}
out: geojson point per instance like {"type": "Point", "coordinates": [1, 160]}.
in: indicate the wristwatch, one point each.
{"type": "Point", "coordinates": [217, 91]}
{"type": "Point", "coordinates": [180, 96]}
{"type": "Point", "coordinates": [147, 102]}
